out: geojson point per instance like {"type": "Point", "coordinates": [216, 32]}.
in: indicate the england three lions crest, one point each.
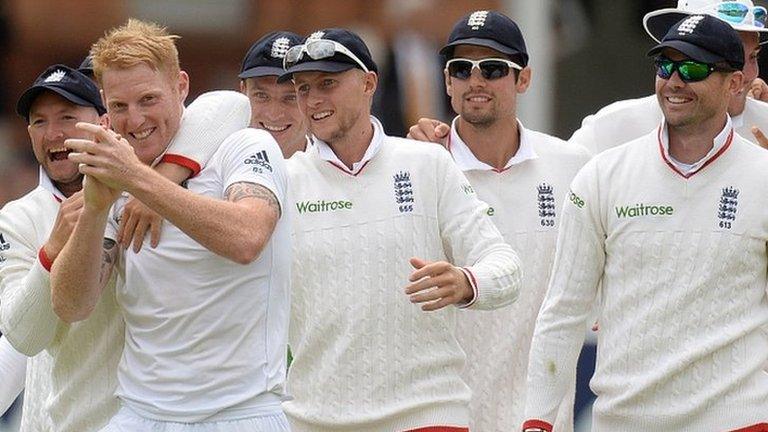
{"type": "Point", "coordinates": [727, 207]}
{"type": "Point", "coordinates": [546, 200]}
{"type": "Point", "coordinates": [403, 191]}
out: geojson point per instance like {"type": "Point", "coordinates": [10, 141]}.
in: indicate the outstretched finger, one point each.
{"type": "Point", "coordinates": [126, 230]}
{"type": "Point", "coordinates": [762, 140]}
{"type": "Point", "coordinates": [154, 230]}
{"type": "Point", "coordinates": [139, 233]}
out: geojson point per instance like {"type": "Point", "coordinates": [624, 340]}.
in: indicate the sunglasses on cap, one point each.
{"type": "Point", "coordinates": [689, 70]}
{"type": "Point", "coordinates": [319, 49]}
{"type": "Point", "coordinates": [491, 68]}
{"type": "Point", "coordinates": [738, 13]}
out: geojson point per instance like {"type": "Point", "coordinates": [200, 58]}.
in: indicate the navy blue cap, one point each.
{"type": "Point", "coordinates": [488, 29]}
{"type": "Point", "coordinates": [67, 83]}
{"type": "Point", "coordinates": [265, 57]}
{"type": "Point", "coordinates": [706, 39]}
{"type": "Point", "coordinates": [339, 62]}
{"type": "Point", "coordinates": [86, 67]}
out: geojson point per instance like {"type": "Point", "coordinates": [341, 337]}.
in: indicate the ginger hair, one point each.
{"type": "Point", "coordinates": [133, 43]}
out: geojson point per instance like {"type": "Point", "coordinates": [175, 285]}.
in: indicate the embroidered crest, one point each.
{"type": "Point", "coordinates": [546, 198]}
{"type": "Point", "coordinates": [279, 47]}
{"type": "Point", "coordinates": [727, 207]}
{"type": "Point", "coordinates": [56, 76]}
{"type": "Point", "coordinates": [689, 25]}
{"type": "Point", "coordinates": [315, 36]}
{"type": "Point", "coordinates": [403, 191]}
{"type": "Point", "coordinates": [477, 19]}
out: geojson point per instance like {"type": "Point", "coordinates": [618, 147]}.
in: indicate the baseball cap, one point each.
{"type": "Point", "coordinates": [706, 39]}
{"type": "Point", "coordinates": [67, 83]}
{"type": "Point", "coordinates": [488, 29]}
{"type": "Point", "coordinates": [357, 54]}
{"type": "Point", "coordinates": [86, 67]}
{"type": "Point", "coordinates": [265, 57]}
{"type": "Point", "coordinates": [742, 15]}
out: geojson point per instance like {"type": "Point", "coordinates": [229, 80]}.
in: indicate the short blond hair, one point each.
{"type": "Point", "coordinates": [133, 43]}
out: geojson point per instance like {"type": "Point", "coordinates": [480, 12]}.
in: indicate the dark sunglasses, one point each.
{"type": "Point", "coordinates": [491, 69]}
{"type": "Point", "coordinates": [689, 70]}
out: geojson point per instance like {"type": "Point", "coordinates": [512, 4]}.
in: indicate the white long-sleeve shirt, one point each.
{"type": "Point", "coordinates": [365, 357]}
{"type": "Point", "coordinates": [525, 204]}
{"type": "Point", "coordinates": [623, 121]}
{"type": "Point", "coordinates": [682, 259]}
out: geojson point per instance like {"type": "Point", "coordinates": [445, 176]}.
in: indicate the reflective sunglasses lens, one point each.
{"type": "Point", "coordinates": [321, 49]}
{"type": "Point", "coordinates": [693, 71]}
{"type": "Point", "coordinates": [732, 12]}
{"type": "Point", "coordinates": [292, 56]}
{"type": "Point", "coordinates": [460, 69]}
{"type": "Point", "coordinates": [664, 68]}
{"type": "Point", "coordinates": [494, 69]}
{"type": "Point", "coordinates": [761, 16]}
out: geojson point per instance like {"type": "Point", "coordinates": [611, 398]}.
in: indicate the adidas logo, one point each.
{"type": "Point", "coordinates": [477, 19]}
{"type": "Point", "coordinates": [260, 159]}
{"type": "Point", "coordinates": [4, 245]}
{"type": "Point", "coordinates": [56, 76]}
{"type": "Point", "coordinates": [279, 47]}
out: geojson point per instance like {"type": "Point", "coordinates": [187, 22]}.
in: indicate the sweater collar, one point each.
{"type": "Point", "coordinates": [326, 153]}
{"type": "Point", "coordinates": [719, 145]}
{"type": "Point", "coordinates": [467, 161]}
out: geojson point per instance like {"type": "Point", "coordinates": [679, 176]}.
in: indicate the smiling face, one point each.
{"type": "Point", "coordinates": [145, 106]}
{"type": "Point", "coordinates": [335, 103]}
{"type": "Point", "coordinates": [274, 109]}
{"type": "Point", "coordinates": [695, 103]}
{"type": "Point", "coordinates": [482, 102]}
{"type": "Point", "coordinates": [52, 120]}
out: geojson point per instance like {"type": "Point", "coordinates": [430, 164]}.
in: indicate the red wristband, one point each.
{"type": "Point", "coordinates": [46, 262]}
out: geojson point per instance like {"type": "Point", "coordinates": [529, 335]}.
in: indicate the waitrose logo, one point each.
{"type": "Point", "coordinates": [644, 210]}
{"type": "Point", "coordinates": [320, 206]}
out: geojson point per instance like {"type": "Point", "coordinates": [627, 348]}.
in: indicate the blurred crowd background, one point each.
{"type": "Point", "coordinates": [584, 54]}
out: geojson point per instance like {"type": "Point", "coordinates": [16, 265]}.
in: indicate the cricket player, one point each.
{"type": "Point", "coordinates": [389, 238]}
{"type": "Point", "coordinates": [206, 311]}
{"type": "Point", "coordinates": [273, 104]}
{"type": "Point", "coordinates": [673, 225]}
{"type": "Point", "coordinates": [67, 386]}
{"type": "Point", "coordinates": [524, 176]}
{"type": "Point", "coordinates": [626, 120]}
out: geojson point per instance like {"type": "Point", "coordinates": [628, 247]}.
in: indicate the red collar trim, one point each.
{"type": "Point", "coordinates": [669, 163]}
{"type": "Point", "coordinates": [346, 171]}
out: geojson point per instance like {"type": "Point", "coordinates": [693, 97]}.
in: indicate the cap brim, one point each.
{"type": "Point", "coordinates": [316, 66]}
{"type": "Point", "coordinates": [28, 97]}
{"type": "Point", "coordinates": [261, 71]}
{"type": "Point", "coordinates": [657, 23]}
{"type": "Point", "coordinates": [488, 43]}
{"type": "Point", "coordinates": [688, 49]}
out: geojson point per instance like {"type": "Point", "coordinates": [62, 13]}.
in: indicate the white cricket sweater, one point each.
{"type": "Point", "coordinates": [71, 378]}
{"type": "Point", "coordinates": [683, 267]}
{"type": "Point", "coordinates": [365, 358]}
{"type": "Point", "coordinates": [525, 204]}
{"type": "Point", "coordinates": [623, 121]}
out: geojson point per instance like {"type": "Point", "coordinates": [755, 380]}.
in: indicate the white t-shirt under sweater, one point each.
{"type": "Point", "coordinates": [623, 121]}
{"type": "Point", "coordinates": [206, 337]}
{"type": "Point", "coordinates": [683, 266]}
{"type": "Point", "coordinates": [525, 204]}
{"type": "Point", "coordinates": [71, 378]}
{"type": "Point", "coordinates": [365, 357]}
